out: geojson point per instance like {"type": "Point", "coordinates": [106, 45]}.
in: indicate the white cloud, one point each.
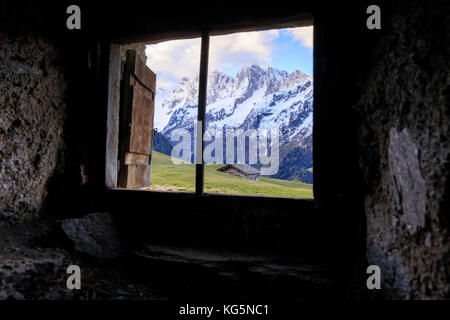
{"type": "Point", "coordinates": [173, 60]}
{"type": "Point", "coordinates": [241, 49]}
{"type": "Point", "coordinates": [303, 34]}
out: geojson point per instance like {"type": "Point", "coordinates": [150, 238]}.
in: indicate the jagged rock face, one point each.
{"type": "Point", "coordinates": [255, 99]}
{"type": "Point", "coordinates": [32, 110]}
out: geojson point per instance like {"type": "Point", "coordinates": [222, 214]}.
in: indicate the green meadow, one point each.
{"type": "Point", "coordinates": [181, 177]}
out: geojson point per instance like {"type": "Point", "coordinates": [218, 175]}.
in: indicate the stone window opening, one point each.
{"type": "Point", "coordinates": [117, 158]}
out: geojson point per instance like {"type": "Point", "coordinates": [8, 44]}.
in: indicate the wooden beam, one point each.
{"type": "Point", "coordinates": [202, 87]}
{"type": "Point", "coordinates": [217, 26]}
{"type": "Point", "coordinates": [112, 137]}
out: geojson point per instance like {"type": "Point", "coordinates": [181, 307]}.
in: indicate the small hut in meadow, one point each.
{"type": "Point", "coordinates": [241, 170]}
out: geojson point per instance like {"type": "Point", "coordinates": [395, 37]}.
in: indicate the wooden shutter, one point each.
{"type": "Point", "coordinates": [136, 123]}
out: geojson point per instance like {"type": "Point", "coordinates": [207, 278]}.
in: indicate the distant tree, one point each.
{"type": "Point", "coordinates": [162, 144]}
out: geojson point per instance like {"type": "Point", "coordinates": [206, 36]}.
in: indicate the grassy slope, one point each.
{"type": "Point", "coordinates": [167, 176]}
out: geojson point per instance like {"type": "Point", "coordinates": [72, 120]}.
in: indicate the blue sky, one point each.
{"type": "Point", "coordinates": [288, 55]}
{"type": "Point", "coordinates": [283, 49]}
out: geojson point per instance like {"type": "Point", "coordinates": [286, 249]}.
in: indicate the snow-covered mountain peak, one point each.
{"type": "Point", "coordinates": [255, 97]}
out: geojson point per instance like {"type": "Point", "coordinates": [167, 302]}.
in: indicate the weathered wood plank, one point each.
{"type": "Point", "coordinates": [135, 176]}
{"type": "Point", "coordinates": [145, 75]}
{"type": "Point", "coordinates": [112, 137]}
{"type": "Point", "coordinates": [141, 121]}
{"type": "Point", "coordinates": [136, 159]}
{"type": "Point", "coordinates": [137, 110]}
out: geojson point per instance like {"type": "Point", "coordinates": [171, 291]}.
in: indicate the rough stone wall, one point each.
{"type": "Point", "coordinates": [404, 151]}
{"type": "Point", "coordinates": [32, 111]}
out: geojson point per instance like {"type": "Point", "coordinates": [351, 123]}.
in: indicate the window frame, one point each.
{"type": "Point", "coordinates": [114, 77]}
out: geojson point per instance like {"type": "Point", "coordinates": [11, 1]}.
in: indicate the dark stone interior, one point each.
{"type": "Point", "coordinates": [381, 161]}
